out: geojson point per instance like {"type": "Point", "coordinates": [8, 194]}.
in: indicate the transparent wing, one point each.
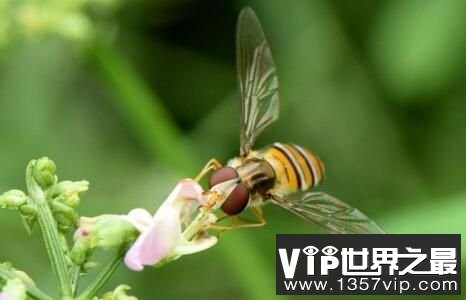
{"type": "Point", "coordinates": [257, 79]}
{"type": "Point", "coordinates": [328, 212]}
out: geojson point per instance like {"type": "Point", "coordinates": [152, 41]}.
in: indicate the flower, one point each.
{"type": "Point", "coordinates": [162, 238]}
{"type": "Point", "coordinates": [13, 289]}
{"type": "Point", "coordinates": [105, 231]}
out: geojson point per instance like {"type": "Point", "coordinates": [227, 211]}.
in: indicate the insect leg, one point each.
{"type": "Point", "coordinates": [259, 214]}
{"type": "Point", "coordinates": [246, 223]}
{"type": "Point", "coordinates": [222, 228]}
{"type": "Point", "coordinates": [225, 228]}
{"type": "Point", "coordinates": [211, 165]}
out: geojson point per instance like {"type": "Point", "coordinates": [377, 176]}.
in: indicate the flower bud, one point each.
{"type": "Point", "coordinates": [81, 251]}
{"type": "Point", "coordinates": [119, 294]}
{"type": "Point", "coordinates": [68, 191]}
{"type": "Point", "coordinates": [63, 222]}
{"type": "Point", "coordinates": [44, 172]}
{"type": "Point", "coordinates": [29, 221]}
{"type": "Point", "coordinates": [24, 277]}
{"type": "Point", "coordinates": [106, 231]}
{"type": "Point", "coordinates": [13, 199]}
{"type": "Point", "coordinates": [90, 265]}
{"type": "Point", "coordinates": [72, 200]}
{"type": "Point", "coordinates": [63, 214]}
{"type": "Point", "coordinates": [28, 210]}
{"type": "Point", "coordinates": [20, 274]}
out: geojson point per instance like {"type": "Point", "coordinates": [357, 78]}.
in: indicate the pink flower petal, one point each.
{"type": "Point", "coordinates": [190, 189]}
{"type": "Point", "coordinates": [156, 242]}
{"type": "Point", "coordinates": [163, 234]}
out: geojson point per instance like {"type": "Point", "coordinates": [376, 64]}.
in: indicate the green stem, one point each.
{"type": "Point", "coordinates": [140, 107]}
{"type": "Point", "coordinates": [102, 278]}
{"type": "Point", "coordinates": [50, 234]}
{"type": "Point", "coordinates": [75, 273]}
{"type": "Point", "coordinates": [31, 290]}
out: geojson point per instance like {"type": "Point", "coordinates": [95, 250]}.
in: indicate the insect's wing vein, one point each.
{"type": "Point", "coordinates": [257, 80]}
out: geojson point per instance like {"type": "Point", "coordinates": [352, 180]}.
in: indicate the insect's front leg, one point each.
{"type": "Point", "coordinates": [245, 223]}
{"type": "Point", "coordinates": [211, 165]}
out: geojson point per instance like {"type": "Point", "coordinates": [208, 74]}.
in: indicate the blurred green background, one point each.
{"type": "Point", "coordinates": [135, 95]}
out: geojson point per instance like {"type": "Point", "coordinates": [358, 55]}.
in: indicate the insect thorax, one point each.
{"type": "Point", "coordinates": [255, 172]}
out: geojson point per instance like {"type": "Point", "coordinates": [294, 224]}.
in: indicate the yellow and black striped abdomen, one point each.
{"type": "Point", "coordinates": [296, 168]}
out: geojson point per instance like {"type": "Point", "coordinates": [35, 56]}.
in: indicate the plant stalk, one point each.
{"type": "Point", "coordinates": [102, 277]}
{"type": "Point", "coordinates": [50, 234]}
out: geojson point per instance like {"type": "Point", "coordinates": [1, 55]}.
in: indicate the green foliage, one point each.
{"type": "Point", "coordinates": [26, 19]}
{"type": "Point", "coordinates": [419, 46]}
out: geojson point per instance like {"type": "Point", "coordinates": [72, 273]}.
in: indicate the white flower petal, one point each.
{"type": "Point", "coordinates": [195, 246]}
{"type": "Point", "coordinates": [140, 218]}
{"type": "Point", "coordinates": [140, 215]}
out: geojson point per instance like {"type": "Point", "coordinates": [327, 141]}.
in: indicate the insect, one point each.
{"type": "Point", "coordinates": [280, 173]}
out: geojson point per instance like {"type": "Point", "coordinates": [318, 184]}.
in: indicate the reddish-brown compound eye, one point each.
{"type": "Point", "coordinates": [239, 198]}
{"type": "Point", "coordinates": [236, 201]}
{"type": "Point", "coordinates": [221, 175]}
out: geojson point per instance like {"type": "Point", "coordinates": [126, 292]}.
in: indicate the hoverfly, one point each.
{"type": "Point", "coordinates": [280, 173]}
